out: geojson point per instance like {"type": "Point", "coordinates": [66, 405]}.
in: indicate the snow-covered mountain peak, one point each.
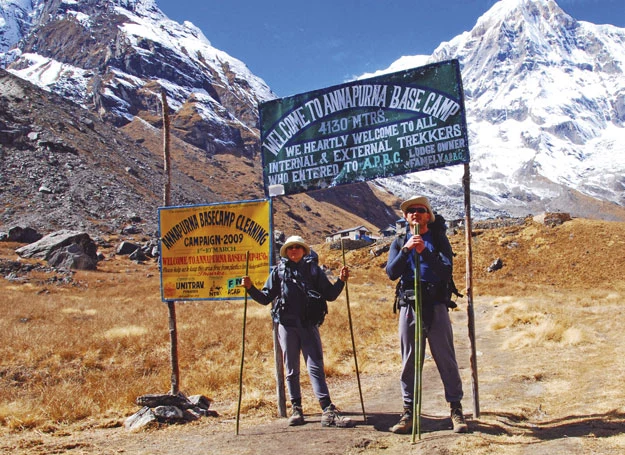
{"type": "Point", "coordinates": [545, 100]}
{"type": "Point", "coordinates": [116, 56]}
{"type": "Point", "coordinates": [531, 10]}
{"type": "Point", "coordinates": [15, 21]}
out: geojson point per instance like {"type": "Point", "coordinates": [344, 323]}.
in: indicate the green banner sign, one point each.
{"type": "Point", "coordinates": [389, 125]}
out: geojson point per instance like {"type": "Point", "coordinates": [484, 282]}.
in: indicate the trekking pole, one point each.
{"type": "Point", "coordinates": [247, 264]}
{"type": "Point", "coordinates": [416, 400]}
{"type": "Point", "coordinates": [351, 331]}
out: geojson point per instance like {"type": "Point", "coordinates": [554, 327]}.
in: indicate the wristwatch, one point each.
{"type": "Point", "coordinates": [405, 249]}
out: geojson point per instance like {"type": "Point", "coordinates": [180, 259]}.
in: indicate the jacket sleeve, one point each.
{"type": "Point", "coordinates": [328, 290]}
{"type": "Point", "coordinates": [270, 290]}
{"type": "Point", "coordinates": [397, 260]}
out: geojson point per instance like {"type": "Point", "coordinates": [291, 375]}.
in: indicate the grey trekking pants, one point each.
{"type": "Point", "coordinates": [441, 341]}
{"type": "Point", "coordinates": [307, 340]}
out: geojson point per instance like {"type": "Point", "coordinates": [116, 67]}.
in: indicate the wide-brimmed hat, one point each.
{"type": "Point", "coordinates": [421, 200]}
{"type": "Point", "coordinates": [294, 240]}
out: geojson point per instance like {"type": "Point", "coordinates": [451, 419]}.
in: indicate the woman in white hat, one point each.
{"type": "Point", "coordinates": [288, 284]}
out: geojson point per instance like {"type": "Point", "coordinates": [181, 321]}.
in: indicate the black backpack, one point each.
{"type": "Point", "coordinates": [316, 304]}
{"type": "Point", "coordinates": [441, 245]}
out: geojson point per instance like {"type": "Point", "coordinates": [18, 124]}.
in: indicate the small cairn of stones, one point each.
{"type": "Point", "coordinates": [160, 409]}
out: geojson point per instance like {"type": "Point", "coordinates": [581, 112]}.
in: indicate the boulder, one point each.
{"type": "Point", "coordinates": [169, 409]}
{"type": "Point", "coordinates": [67, 249]}
{"type": "Point", "coordinates": [23, 235]}
{"type": "Point", "coordinates": [496, 265]}
{"type": "Point", "coordinates": [169, 414]}
{"type": "Point", "coordinates": [141, 419]}
{"type": "Point", "coordinates": [125, 248]}
{"type": "Point", "coordinates": [553, 218]}
{"type": "Point", "coordinates": [72, 257]}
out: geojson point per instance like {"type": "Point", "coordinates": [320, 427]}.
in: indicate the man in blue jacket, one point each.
{"type": "Point", "coordinates": [434, 273]}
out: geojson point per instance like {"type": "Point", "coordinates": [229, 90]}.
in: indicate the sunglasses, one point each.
{"type": "Point", "coordinates": [294, 247]}
{"type": "Point", "coordinates": [417, 210]}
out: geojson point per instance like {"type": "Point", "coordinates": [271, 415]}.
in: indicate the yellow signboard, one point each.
{"type": "Point", "coordinates": [204, 249]}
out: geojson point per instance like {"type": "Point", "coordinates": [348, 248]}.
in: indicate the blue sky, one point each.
{"type": "Point", "coordinates": [298, 46]}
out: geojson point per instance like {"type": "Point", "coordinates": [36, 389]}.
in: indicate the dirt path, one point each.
{"type": "Point", "coordinates": [518, 416]}
{"type": "Point", "coordinates": [217, 435]}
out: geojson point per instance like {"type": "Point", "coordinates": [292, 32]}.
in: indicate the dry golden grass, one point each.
{"type": "Point", "coordinates": [550, 349]}
{"type": "Point", "coordinates": [87, 350]}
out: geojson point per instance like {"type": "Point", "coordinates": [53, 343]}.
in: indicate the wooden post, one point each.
{"type": "Point", "coordinates": [466, 180]}
{"type": "Point", "coordinates": [166, 157]}
{"type": "Point", "coordinates": [173, 335]}
{"type": "Point", "coordinates": [277, 354]}
{"type": "Point", "coordinates": [274, 258]}
{"type": "Point", "coordinates": [171, 304]}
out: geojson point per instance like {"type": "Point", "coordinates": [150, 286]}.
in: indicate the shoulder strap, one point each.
{"type": "Point", "coordinates": [313, 268]}
{"type": "Point", "coordinates": [281, 270]}
{"type": "Point", "coordinates": [441, 242]}
{"type": "Point", "coordinates": [402, 238]}
{"type": "Point", "coordinates": [312, 280]}
{"type": "Point", "coordinates": [442, 245]}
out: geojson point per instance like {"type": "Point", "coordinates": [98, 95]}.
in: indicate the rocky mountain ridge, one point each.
{"type": "Point", "coordinates": [61, 167]}
{"type": "Point", "coordinates": [115, 58]}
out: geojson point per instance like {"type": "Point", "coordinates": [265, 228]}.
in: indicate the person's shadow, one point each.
{"type": "Point", "coordinates": [603, 425]}
{"type": "Point", "coordinates": [383, 421]}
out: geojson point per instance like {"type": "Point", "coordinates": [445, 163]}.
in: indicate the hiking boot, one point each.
{"type": "Point", "coordinates": [457, 420]}
{"type": "Point", "coordinates": [297, 416]}
{"type": "Point", "coordinates": [332, 418]}
{"type": "Point", "coordinates": [404, 426]}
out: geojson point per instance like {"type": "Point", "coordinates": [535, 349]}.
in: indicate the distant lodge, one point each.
{"type": "Point", "coordinates": [355, 233]}
{"type": "Point", "coordinates": [362, 233]}
{"type": "Point", "coordinates": [360, 236]}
